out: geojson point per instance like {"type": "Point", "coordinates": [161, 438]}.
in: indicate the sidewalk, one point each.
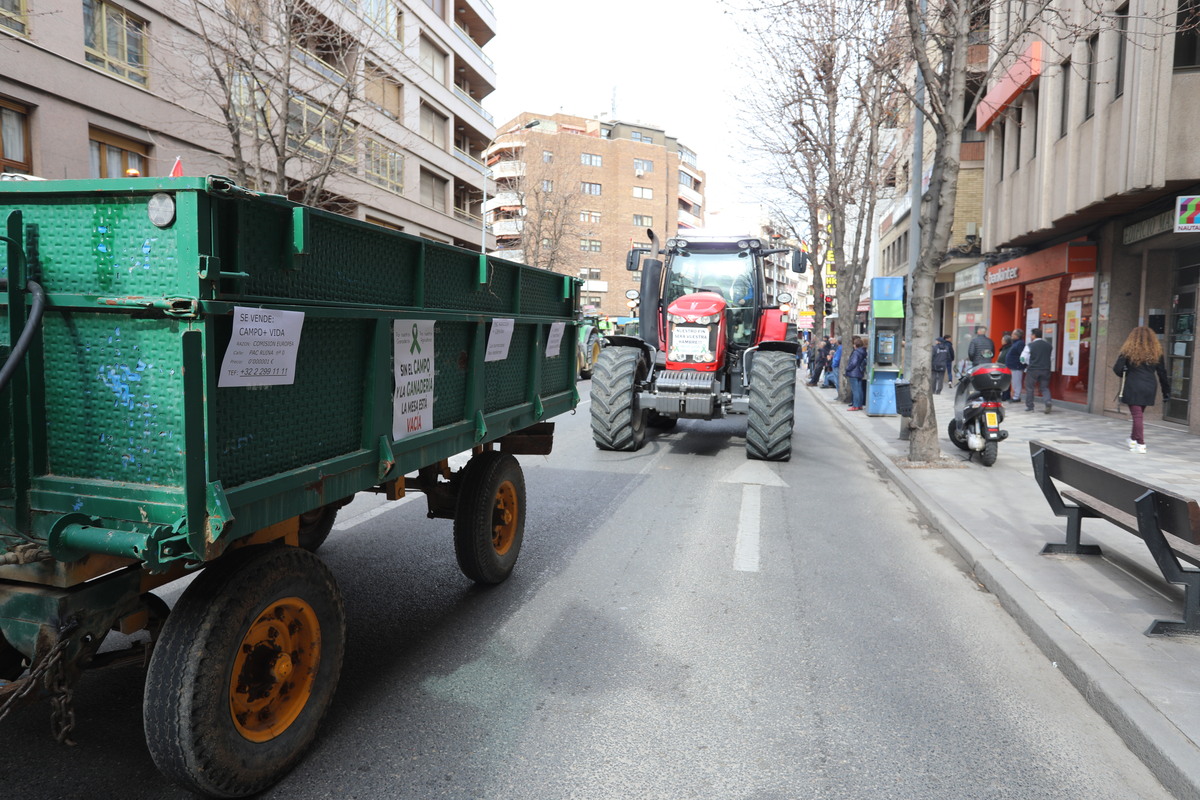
{"type": "Point", "coordinates": [1087, 614]}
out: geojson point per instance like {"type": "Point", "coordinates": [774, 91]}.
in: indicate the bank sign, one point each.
{"type": "Point", "coordinates": [1187, 219]}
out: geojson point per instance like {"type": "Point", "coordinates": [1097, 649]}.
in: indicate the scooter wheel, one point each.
{"type": "Point", "coordinates": [990, 451]}
{"type": "Point", "coordinates": [957, 438]}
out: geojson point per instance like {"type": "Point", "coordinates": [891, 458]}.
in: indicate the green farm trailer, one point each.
{"type": "Point", "coordinates": [194, 378]}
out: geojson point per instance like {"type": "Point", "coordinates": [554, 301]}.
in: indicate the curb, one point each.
{"type": "Point", "coordinates": [1160, 745]}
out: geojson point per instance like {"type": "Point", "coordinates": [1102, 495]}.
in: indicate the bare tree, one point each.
{"type": "Point", "coordinates": [547, 204]}
{"type": "Point", "coordinates": [286, 81]}
{"type": "Point", "coordinates": [823, 118]}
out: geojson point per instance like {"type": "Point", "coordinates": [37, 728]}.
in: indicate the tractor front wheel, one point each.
{"type": "Point", "coordinates": [772, 406]}
{"type": "Point", "coordinates": [618, 419]}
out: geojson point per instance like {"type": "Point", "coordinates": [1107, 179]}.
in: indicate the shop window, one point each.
{"type": "Point", "coordinates": [115, 156]}
{"type": "Point", "coordinates": [115, 40]}
{"type": "Point", "coordinates": [14, 138]}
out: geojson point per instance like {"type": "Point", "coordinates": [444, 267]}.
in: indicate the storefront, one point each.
{"type": "Point", "coordinates": [1051, 289]}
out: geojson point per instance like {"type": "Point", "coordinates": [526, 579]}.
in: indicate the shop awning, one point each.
{"type": "Point", "coordinates": [1015, 80]}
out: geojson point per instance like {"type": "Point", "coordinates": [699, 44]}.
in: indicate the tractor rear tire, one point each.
{"type": "Point", "coordinates": [618, 420]}
{"type": "Point", "coordinates": [772, 406]}
{"type": "Point", "coordinates": [244, 671]}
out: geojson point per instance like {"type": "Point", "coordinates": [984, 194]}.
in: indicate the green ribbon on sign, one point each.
{"type": "Point", "coordinates": [415, 347]}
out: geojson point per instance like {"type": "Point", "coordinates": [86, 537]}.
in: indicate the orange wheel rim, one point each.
{"type": "Point", "coordinates": [504, 518]}
{"type": "Point", "coordinates": [274, 670]}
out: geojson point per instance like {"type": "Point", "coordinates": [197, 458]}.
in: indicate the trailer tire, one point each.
{"type": "Point", "coordinates": [592, 352]}
{"type": "Point", "coordinates": [618, 420]}
{"type": "Point", "coordinates": [233, 698]}
{"type": "Point", "coordinates": [772, 406]}
{"type": "Point", "coordinates": [316, 525]}
{"type": "Point", "coordinates": [489, 519]}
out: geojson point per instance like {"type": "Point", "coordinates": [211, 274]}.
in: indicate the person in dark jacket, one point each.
{"type": "Point", "coordinates": [819, 360]}
{"type": "Point", "coordinates": [982, 349]}
{"type": "Point", "coordinates": [1140, 366]}
{"type": "Point", "coordinates": [1012, 360]}
{"type": "Point", "coordinates": [942, 361]}
{"type": "Point", "coordinates": [856, 373]}
{"type": "Point", "coordinates": [1037, 369]}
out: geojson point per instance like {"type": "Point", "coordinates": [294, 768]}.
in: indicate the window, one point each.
{"type": "Point", "coordinates": [13, 15]}
{"type": "Point", "coordinates": [589, 188]}
{"type": "Point", "coordinates": [687, 156]}
{"type": "Point", "coordinates": [638, 136]}
{"type": "Point", "coordinates": [381, 91]}
{"type": "Point", "coordinates": [1030, 118]}
{"type": "Point", "coordinates": [547, 157]}
{"type": "Point", "coordinates": [433, 125]}
{"type": "Point", "coordinates": [590, 302]}
{"type": "Point", "coordinates": [438, 6]}
{"type": "Point", "coordinates": [589, 216]}
{"type": "Point", "coordinates": [643, 165]}
{"type": "Point", "coordinates": [383, 16]}
{"type": "Point", "coordinates": [247, 102]}
{"type": "Point", "coordinates": [1187, 35]}
{"type": "Point", "coordinates": [1014, 133]}
{"type": "Point", "coordinates": [316, 130]}
{"type": "Point", "coordinates": [547, 185]}
{"type": "Point", "coordinates": [1065, 118]}
{"type": "Point", "coordinates": [590, 274]}
{"type": "Point", "coordinates": [643, 220]}
{"type": "Point", "coordinates": [433, 60]}
{"type": "Point", "coordinates": [1122, 26]}
{"type": "Point", "coordinates": [321, 45]}
{"type": "Point", "coordinates": [589, 245]}
{"type": "Point", "coordinates": [115, 40]}
{"type": "Point", "coordinates": [590, 159]}
{"type": "Point", "coordinates": [433, 191]}
{"type": "Point", "coordinates": [643, 192]}
{"type": "Point", "coordinates": [113, 156]}
{"type": "Point", "coordinates": [383, 166]}
{"type": "Point", "coordinates": [14, 138]}
{"type": "Point", "coordinates": [1089, 102]}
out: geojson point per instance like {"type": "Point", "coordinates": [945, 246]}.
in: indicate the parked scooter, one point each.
{"type": "Point", "coordinates": [978, 411]}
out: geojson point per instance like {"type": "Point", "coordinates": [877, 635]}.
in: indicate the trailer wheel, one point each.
{"type": "Point", "coordinates": [316, 525]}
{"type": "Point", "coordinates": [244, 671]}
{"type": "Point", "coordinates": [489, 521]}
{"type": "Point", "coordinates": [772, 402]}
{"type": "Point", "coordinates": [618, 420]}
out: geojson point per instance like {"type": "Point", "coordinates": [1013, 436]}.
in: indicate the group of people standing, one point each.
{"type": "Point", "coordinates": [825, 360]}
{"type": "Point", "coordinates": [1140, 365]}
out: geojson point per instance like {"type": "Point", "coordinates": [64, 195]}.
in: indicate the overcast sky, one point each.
{"type": "Point", "coordinates": [669, 63]}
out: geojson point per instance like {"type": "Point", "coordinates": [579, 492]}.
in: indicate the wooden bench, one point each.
{"type": "Point", "coordinates": [1167, 522]}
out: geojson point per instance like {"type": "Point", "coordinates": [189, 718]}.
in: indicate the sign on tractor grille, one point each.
{"type": "Point", "coordinates": [689, 341]}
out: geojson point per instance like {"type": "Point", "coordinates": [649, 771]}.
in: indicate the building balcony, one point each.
{"type": "Point", "coordinates": [507, 227]}
{"type": "Point", "coordinates": [474, 48]}
{"type": "Point", "coordinates": [503, 200]}
{"type": "Point", "coordinates": [691, 195]}
{"type": "Point", "coordinates": [508, 169]}
{"type": "Point", "coordinates": [474, 104]}
{"type": "Point", "coordinates": [689, 220]}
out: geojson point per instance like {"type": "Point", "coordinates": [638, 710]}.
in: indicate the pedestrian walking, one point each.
{"type": "Point", "coordinates": [1037, 370]}
{"type": "Point", "coordinates": [856, 373]}
{"type": "Point", "coordinates": [982, 349]}
{"type": "Point", "coordinates": [1012, 360]}
{"type": "Point", "coordinates": [1140, 366]}
{"type": "Point", "coordinates": [942, 362]}
{"type": "Point", "coordinates": [819, 360]}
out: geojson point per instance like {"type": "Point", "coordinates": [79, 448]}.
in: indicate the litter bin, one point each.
{"type": "Point", "coordinates": [904, 402]}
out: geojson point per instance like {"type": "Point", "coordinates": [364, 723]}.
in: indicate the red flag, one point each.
{"type": "Point", "coordinates": [177, 170]}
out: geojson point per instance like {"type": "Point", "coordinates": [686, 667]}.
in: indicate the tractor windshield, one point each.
{"type": "Point", "coordinates": [730, 275]}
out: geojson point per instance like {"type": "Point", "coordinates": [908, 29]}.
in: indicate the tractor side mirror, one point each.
{"type": "Point", "coordinates": [633, 261]}
{"type": "Point", "coordinates": [799, 261]}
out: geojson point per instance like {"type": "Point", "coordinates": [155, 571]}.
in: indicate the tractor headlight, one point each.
{"type": "Point", "coordinates": [711, 319]}
{"type": "Point", "coordinates": [678, 320]}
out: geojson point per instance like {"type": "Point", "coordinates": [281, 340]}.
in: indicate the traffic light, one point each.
{"type": "Point", "coordinates": [828, 306]}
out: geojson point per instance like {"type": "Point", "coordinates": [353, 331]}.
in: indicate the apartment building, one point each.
{"type": "Point", "coordinates": [1090, 144]}
{"type": "Point", "coordinates": [387, 91]}
{"type": "Point", "coordinates": [613, 179]}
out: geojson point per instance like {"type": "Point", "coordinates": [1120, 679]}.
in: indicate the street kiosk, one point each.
{"type": "Point", "coordinates": [885, 344]}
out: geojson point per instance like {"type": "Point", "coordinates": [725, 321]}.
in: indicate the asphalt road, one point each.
{"type": "Point", "coordinates": [682, 623]}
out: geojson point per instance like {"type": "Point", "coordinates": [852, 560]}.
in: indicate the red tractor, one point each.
{"type": "Point", "coordinates": [710, 345]}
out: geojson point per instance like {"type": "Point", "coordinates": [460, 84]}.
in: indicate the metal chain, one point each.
{"type": "Point", "coordinates": [35, 675]}
{"type": "Point", "coordinates": [62, 715]}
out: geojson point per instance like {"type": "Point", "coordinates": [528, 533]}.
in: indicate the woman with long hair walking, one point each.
{"type": "Point", "coordinates": [1140, 365]}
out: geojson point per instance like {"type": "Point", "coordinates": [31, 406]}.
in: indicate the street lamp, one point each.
{"type": "Point", "coordinates": [483, 204]}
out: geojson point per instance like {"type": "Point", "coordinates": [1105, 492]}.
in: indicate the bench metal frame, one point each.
{"type": "Point", "coordinates": [1145, 510]}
